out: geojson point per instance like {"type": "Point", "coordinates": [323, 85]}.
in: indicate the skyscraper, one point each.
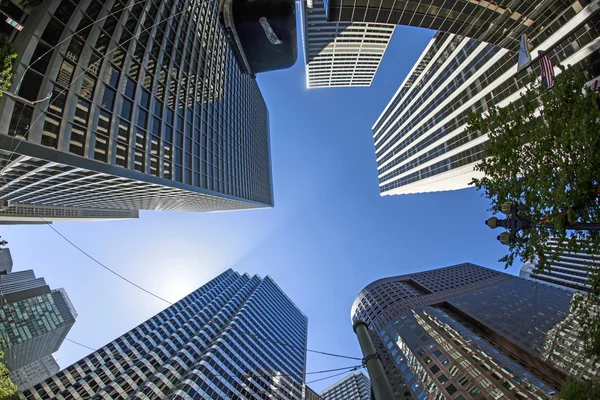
{"type": "Point", "coordinates": [310, 394]}
{"type": "Point", "coordinates": [236, 337]}
{"type": "Point", "coordinates": [420, 140]}
{"type": "Point", "coordinates": [465, 331]}
{"type": "Point", "coordinates": [570, 271]}
{"type": "Point", "coordinates": [500, 23]}
{"type": "Point", "coordinates": [149, 110]}
{"type": "Point", "coordinates": [341, 54]}
{"type": "Point", "coordinates": [355, 386]}
{"type": "Point", "coordinates": [34, 373]}
{"type": "Point", "coordinates": [34, 320]}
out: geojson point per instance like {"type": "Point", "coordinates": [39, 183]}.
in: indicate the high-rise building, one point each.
{"type": "Point", "coordinates": [571, 271]}
{"type": "Point", "coordinates": [6, 261]}
{"type": "Point", "coordinates": [341, 54]}
{"type": "Point", "coordinates": [355, 386]}
{"type": "Point", "coordinates": [500, 23]}
{"type": "Point", "coordinates": [465, 331]}
{"type": "Point", "coordinates": [39, 214]}
{"type": "Point", "coordinates": [420, 140]}
{"type": "Point", "coordinates": [34, 373]}
{"type": "Point", "coordinates": [148, 110]}
{"type": "Point", "coordinates": [34, 320]}
{"type": "Point", "coordinates": [236, 337]}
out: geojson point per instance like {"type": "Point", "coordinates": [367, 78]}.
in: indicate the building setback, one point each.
{"type": "Point", "coordinates": [149, 110]}
{"type": "Point", "coordinates": [499, 23]}
{"type": "Point", "coordinates": [355, 386]}
{"type": "Point", "coordinates": [34, 373]}
{"type": "Point", "coordinates": [236, 337]}
{"type": "Point", "coordinates": [570, 271]}
{"type": "Point", "coordinates": [465, 331]}
{"type": "Point", "coordinates": [341, 54]}
{"type": "Point", "coordinates": [420, 140]}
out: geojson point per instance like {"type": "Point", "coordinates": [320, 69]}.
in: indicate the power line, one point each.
{"type": "Point", "coordinates": [334, 375]}
{"type": "Point", "coordinates": [253, 335]}
{"type": "Point", "coordinates": [104, 266]}
{"type": "Point", "coordinates": [82, 345]}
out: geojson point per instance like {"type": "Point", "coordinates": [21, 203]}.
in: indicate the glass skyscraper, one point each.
{"type": "Point", "coordinates": [466, 331]}
{"type": "Point", "coordinates": [34, 321]}
{"type": "Point", "coordinates": [236, 337]}
{"type": "Point", "coordinates": [148, 110]}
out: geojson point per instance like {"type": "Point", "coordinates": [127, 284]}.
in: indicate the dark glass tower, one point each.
{"type": "Point", "coordinates": [465, 331]}
{"type": "Point", "coordinates": [149, 110]}
{"type": "Point", "coordinates": [236, 337]}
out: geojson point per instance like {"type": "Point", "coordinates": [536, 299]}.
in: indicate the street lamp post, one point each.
{"type": "Point", "coordinates": [515, 223]}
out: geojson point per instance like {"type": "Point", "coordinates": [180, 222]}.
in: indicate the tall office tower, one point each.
{"type": "Point", "coordinates": [149, 110]}
{"type": "Point", "coordinates": [34, 320]}
{"type": "Point", "coordinates": [465, 331]}
{"type": "Point", "coordinates": [236, 337]}
{"type": "Point", "coordinates": [501, 23]}
{"type": "Point", "coordinates": [39, 214]}
{"type": "Point", "coordinates": [420, 140]}
{"type": "Point", "coordinates": [34, 373]}
{"type": "Point", "coordinates": [341, 54]}
{"type": "Point", "coordinates": [355, 386]}
{"type": "Point", "coordinates": [570, 271]}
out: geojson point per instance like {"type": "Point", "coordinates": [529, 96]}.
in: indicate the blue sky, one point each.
{"type": "Point", "coordinates": [329, 234]}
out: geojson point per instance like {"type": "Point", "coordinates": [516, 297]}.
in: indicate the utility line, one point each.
{"type": "Point", "coordinates": [82, 345]}
{"type": "Point", "coordinates": [104, 266]}
{"type": "Point", "coordinates": [253, 335]}
{"type": "Point", "coordinates": [334, 375]}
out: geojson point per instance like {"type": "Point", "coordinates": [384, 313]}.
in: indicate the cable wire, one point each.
{"type": "Point", "coordinates": [82, 345]}
{"type": "Point", "coordinates": [334, 375]}
{"type": "Point", "coordinates": [298, 347]}
{"type": "Point", "coordinates": [104, 266]}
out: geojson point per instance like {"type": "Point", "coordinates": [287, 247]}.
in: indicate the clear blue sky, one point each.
{"type": "Point", "coordinates": [329, 234]}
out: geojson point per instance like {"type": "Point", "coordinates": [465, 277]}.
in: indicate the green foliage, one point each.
{"type": "Point", "coordinates": [573, 390]}
{"type": "Point", "coordinates": [7, 59]}
{"type": "Point", "coordinates": [7, 388]}
{"type": "Point", "coordinates": [548, 160]}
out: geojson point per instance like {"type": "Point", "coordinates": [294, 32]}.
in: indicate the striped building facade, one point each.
{"type": "Point", "coordinates": [339, 54]}
{"type": "Point", "coordinates": [420, 140]}
{"type": "Point", "coordinates": [236, 337]}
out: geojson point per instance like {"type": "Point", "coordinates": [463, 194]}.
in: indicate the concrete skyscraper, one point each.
{"type": "Point", "coordinates": [570, 271]}
{"type": "Point", "coordinates": [341, 54]}
{"type": "Point", "coordinates": [355, 386]}
{"type": "Point", "coordinates": [236, 337]}
{"type": "Point", "coordinates": [465, 331]}
{"type": "Point", "coordinates": [149, 109]}
{"type": "Point", "coordinates": [34, 321]}
{"type": "Point", "coordinates": [420, 140]}
{"type": "Point", "coordinates": [501, 23]}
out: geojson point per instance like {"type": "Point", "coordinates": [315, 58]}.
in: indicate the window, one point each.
{"type": "Point", "coordinates": [126, 109]}
{"type": "Point", "coordinates": [108, 98]}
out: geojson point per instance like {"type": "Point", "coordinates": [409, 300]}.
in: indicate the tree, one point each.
{"type": "Point", "coordinates": [7, 59]}
{"type": "Point", "coordinates": [7, 388]}
{"type": "Point", "coordinates": [573, 390]}
{"type": "Point", "coordinates": [544, 154]}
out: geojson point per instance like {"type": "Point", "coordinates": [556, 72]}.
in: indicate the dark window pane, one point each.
{"type": "Point", "coordinates": [108, 98]}
{"type": "Point", "coordinates": [158, 106]}
{"type": "Point", "coordinates": [64, 11]}
{"type": "Point", "coordinates": [126, 109]}
{"type": "Point", "coordinates": [31, 86]}
{"type": "Point", "coordinates": [114, 77]}
{"type": "Point", "coordinates": [145, 99]}
{"type": "Point", "coordinates": [41, 65]}
{"type": "Point", "coordinates": [130, 89]}
{"type": "Point", "coordinates": [52, 32]}
{"type": "Point", "coordinates": [74, 50]}
{"type": "Point", "coordinates": [142, 118]}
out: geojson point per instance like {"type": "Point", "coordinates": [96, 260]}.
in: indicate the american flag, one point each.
{"type": "Point", "coordinates": [547, 71]}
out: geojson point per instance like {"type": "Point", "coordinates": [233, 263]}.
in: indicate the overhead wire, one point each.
{"type": "Point", "coordinates": [334, 375]}
{"type": "Point", "coordinates": [80, 344]}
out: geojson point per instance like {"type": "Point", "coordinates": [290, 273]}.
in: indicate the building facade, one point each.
{"type": "Point", "coordinates": [310, 394]}
{"type": "Point", "coordinates": [34, 373]}
{"type": "Point", "coordinates": [236, 337]}
{"type": "Point", "coordinates": [420, 140]}
{"type": "Point", "coordinates": [500, 23]}
{"type": "Point", "coordinates": [34, 320]}
{"type": "Point", "coordinates": [355, 386]}
{"type": "Point", "coordinates": [148, 110]}
{"type": "Point", "coordinates": [341, 54]}
{"type": "Point", "coordinates": [465, 331]}
{"type": "Point", "coordinates": [571, 271]}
